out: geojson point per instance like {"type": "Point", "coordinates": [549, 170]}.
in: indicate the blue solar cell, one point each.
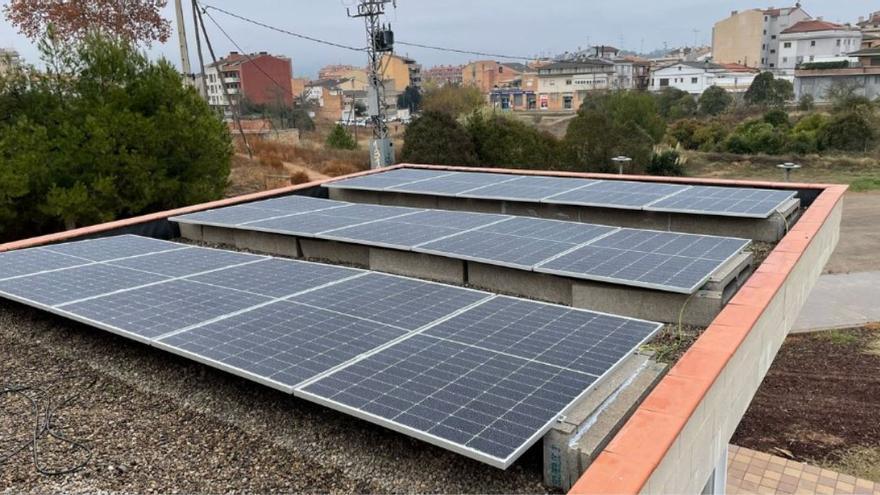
{"type": "Point", "coordinates": [616, 194]}
{"type": "Point", "coordinates": [108, 248]}
{"type": "Point", "coordinates": [498, 249]}
{"type": "Point", "coordinates": [276, 277]}
{"type": "Point", "coordinates": [35, 260]}
{"type": "Point", "coordinates": [526, 188]}
{"type": "Point", "coordinates": [390, 234]}
{"type": "Point", "coordinates": [728, 201]}
{"type": "Point", "coordinates": [70, 284]}
{"type": "Point", "coordinates": [183, 262]}
{"type": "Point", "coordinates": [283, 342]}
{"type": "Point", "coordinates": [228, 216]}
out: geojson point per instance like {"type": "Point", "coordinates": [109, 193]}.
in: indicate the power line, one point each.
{"type": "Point", "coordinates": [466, 52]}
{"type": "Point", "coordinates": [347, 47]}
{"type": "Point", "coordinates": [284, 31]}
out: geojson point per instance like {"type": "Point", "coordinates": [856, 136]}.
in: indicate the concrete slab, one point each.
{"type": "Point", "coordinates": [841, 301]}
{"type": "Point", "coordinates": [335, 252]}
{"type": "Point", "coordinates": [699, 309]}
{"type": "Point", "coordinates": [268, 243]}
{"type": "Point", "coordinates": [218, 235]}
{"type": "Point", "coordinates": [191, 232]}
{"type": "Point", "coordinates": [522, 283]}
{"type": "Point", "coordinates": [418, 265]}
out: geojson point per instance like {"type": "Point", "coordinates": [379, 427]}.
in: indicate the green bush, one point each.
{"type": "Point", "coordinates": [104, 134]}
{"type": "Point", "coordinates": [806, 103]}
{"type": "Point", "coordinates": [502, 141]}
{"type": "Point", "coordinates": [715, 100]}
{"type": "Point", "coordinates": [665, 163]}
{"type": "Point", "coordinates": [848, 132]}
{"type": "Point", "coordinates": [756, 136]}
{"type": "Point", "coordinates": [700, 135]}
{"type": "Point", "coordinates": [675, 104]}
{"type": "Point", "coordinates": [437, 138]}
{"type": "Point", "coordinates": [777, 118]}
{"type": "Point", "coordinates": [766, 90]}
{"type": "Point", "coordinates": [340, 139]}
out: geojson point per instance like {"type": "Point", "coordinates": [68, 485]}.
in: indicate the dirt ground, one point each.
{"type": "Point", "coordinates": [859, 246]}
{"type": "Point", "coordinates": [820, 402]}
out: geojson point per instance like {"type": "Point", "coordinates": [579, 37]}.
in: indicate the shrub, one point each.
{"type": "Point", "coordinates": [806, 103]}
{"type": "Point", "coordinates": [756, 136]}
{"type": "Point", "coordinates": [502, 141]}
{"type": "Point", "coordinates": [710, 136]}
{"type": "Point", "coordinates": [848, 132]}
{"type": "Point", "coordinates": [765, 90]}
{"type": "Point", "coordinates": [437, 138]}
{"type": "Point", "coordinates": [682, 132]}
{"type": "Point", "coordinates": [336, 169]}
{"type": "Point", "coordinates": [299, 177]}
{"type": "Point", "coordinates": [715, 100]}
{"type": "Point", "coordinates": [665, 163]}
{"type": "Point", "coordinates": [340, 139]}
{"type": "Point", "coordinates": [777, 118]}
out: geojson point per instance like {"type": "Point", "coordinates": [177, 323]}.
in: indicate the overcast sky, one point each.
{"type": "Point", "coordinates": [516, 28]}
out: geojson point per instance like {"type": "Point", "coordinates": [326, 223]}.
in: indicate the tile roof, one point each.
{"type": "Point", "coordinates": [814, 25]}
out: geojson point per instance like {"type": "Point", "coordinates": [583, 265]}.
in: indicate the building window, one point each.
{"type": "Point", "coordinates": [784, 59]}
{"type": "Point", "coordinates": [838, 42]}
{"type": "Point", "coordinates": [762, 60]}
{"type": "Point", "coordinates": [693, 80]}
{"type": "Point", "coordinates": [567, 102]}
{"type": "Point", "coordinates": [664, 82]}
{"type": "Point", "coordinates": [773, 37]}
{"type": "Point", "coordinates": [786, 45]}
{"type": "Point", "coordinates": [568, 82]}
{"type": "Point", "coordinates": [763, 47]}
{"type": "Point", "coordinates": [772, 51]}
{"type": "Point", "coordinates": [813, 43]}
{"type": "Point", "coordinates": [772, 65]}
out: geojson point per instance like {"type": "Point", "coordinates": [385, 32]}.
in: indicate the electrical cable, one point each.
{"type": "Point", "coordinates": [466, 52]}
{"type": "Point", "coordinates": [44, 424]}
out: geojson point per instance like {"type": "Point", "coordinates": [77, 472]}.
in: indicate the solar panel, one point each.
{"type": "Point", "coordinates": [526, 188]}
{"type": "Point", "coordinates": [30, 261]}
{"type": "Point", "coordinates": [452, 184]}
{"type": "Point", "coordinates": [310, 224]}
{"type": "Point", "coordinates": [384, 180]}
{"type": "Point", "coordinates": [551, 230]}
{"type": "Point", "coordinates": [390, 234]}
{"type": "Point", "coordinates": [296, 204]}
{"type": "Point", "coordinates": [182, 262]}
{"type": "Point", "coordinates": [70, 284]}
{"type": "Point", "coordinates": [570, 338]}
{"type": "Point", "coordinates": [108, 248]}
{"type": "Point", "coordinates": [497, 249]}
{"type": "Point", "coordinates": [657, 260]}
{"type": "Point", "coordinates": [725, 201]}
{"type": "Point", "coordinates": [282, 343]}
{"type": "Point", "coordinates": [155, 310]}
{"type": "Point", "coordinates": [275, 277]}
{"type": "Point", "coordinates": [402, 302]}
{"type": "Point", "coordinates": [228, 216]}
{"type": "Point", "coordinates": [616, 194]}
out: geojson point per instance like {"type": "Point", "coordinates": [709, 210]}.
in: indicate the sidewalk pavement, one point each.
{"type": "Point", "coordinates": [841, 301]}
{"type": "Point", "coordinates": [752, 472]}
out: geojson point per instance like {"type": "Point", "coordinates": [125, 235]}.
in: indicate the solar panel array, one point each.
{"type": "Point", "coordinates": [648, 196]}
{"type": "Point", "coordinates": [482, 375]}
{"type": "Point", "coordinates": [571, 249]}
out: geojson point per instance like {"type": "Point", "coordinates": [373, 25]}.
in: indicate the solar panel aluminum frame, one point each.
{"type": "Point", "coordinates": [226, 225]}
{"type": "Point", "coordinates": [715, 213]}
{"type": "Point", "coordinates": [312, 235]}
{"type": "Point", "coordinates": [634, 283]}
{"type": "Point", "coordinates": [474, 193]}
{"type": "Point", "coordinates": [458, 448]}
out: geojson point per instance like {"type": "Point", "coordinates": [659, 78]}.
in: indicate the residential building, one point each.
{"type": "Point", "coordinates": [871, 25]}
{"type": "Point", "coordinates": [696, 77]}
{"type": "Point", "coordinates": [298, 87]}
{"type": "Point", "coordinates": [328, 98]}
{"type": "Point", "coordinates": [687, 53]}
{"type": "Point", "coordinates": [815, 40]}
{"type": "Point", "coordinates": [489, 74]}
{"type": "Point", "coordinates": [401, 71]}
{"type": "Point", "coordinates": [863, 75]}
{"type": "Point", "coordinates": [630, 72]}
{"type": "Point", "coordinates": [355, 77]}
{"type": "Point", "coordinates": [441, 75]}
{"type": "Point", "coordinates": [751, 37]}
{"type": "Point", "coordinates": [562, 86]}
{"type": "Point", "coordinates": [519, 92]}
{"type": "Point", "coordinates": [336, 71]}
{"type": "Point", "coordinates": [259, 78]}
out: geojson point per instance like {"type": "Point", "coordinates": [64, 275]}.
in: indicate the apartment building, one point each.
{"type": "Point", "coordinates": [562, 86]}
{"type": "Point", "coordinates": [260, 78]}
{"type": "Point", "coordinates": [441, 75]}
{"type": "Point", "coordinates": [696, 77]}
{"type": "Point", "coordinates": [863, 75]}
{"type": "Point", "coordinates": [751, 37]}
{"type": "Point", "coordinates": [400, 72]}
{"type": "Point", "coordinates": [814, 41]}
{"type": "Point", "coordinates": [490, 74]}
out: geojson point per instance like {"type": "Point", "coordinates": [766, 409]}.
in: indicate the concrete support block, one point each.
{"type": "Point", "coordinates": [218, 235]}
{"type": "Point", "coordinates": [467, 204]}
{"type": "Point", "coordinates": [335, 252]}
{"type": "Point", "coordinates": [410, 200]}
{"type": "Point", "coordinates": [578, 438]}
{"type": "Point", "coordinates": [417, 265]}
{"type": "Point", "coordinates": [353, 195]}
{"type": "Point", "coordinates": [268, 243]}
{"type": "Point", "coordinates": [648, 304]}
{"type": "Point", "coordinates": [190, 231]}
{"type": "Point", "coordinates": [521, 283]}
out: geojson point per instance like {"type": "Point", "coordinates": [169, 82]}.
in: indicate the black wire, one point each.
{"type": "Point", "coordinates": [291, 33]}
{"type": "Point", "coordinates": [43, 424]}
{"type": "Point", "coordinates": [339, 45]}
{"type": "Point", "coordinates": [243, 52]}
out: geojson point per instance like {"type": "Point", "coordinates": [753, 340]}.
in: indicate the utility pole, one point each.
{"type": "Point", "coordinates": [185, 67]}
{"type": "Point", "coordinates": [380, 40]}
{"type": "Point", "coordinates": [203, 85]}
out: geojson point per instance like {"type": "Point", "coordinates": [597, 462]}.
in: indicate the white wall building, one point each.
{"type": "Point", "coordinates": [696, 77]}
{"type": "Point", "coordinates": [814, 41]}
{"type": "Point", "coordinates": [775, 22]}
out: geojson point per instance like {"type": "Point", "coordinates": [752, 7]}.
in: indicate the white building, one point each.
{"type": "Point", "coordinates": [775, 22]}
{"type": "Point", "coordinates": [564, 85]}
{"type": "Point", "coordinates": [696, 77]}
{"type": "Point", "coordinates": [814, 41]}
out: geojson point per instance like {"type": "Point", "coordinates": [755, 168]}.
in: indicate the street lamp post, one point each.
{"type": "Point", "coordinates": [788, 167]}
{"type": "Point", "coordinates": [621, 161]}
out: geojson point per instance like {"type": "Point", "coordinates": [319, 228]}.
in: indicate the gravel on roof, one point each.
{"type": "Point", "coordinates": [159, 423]}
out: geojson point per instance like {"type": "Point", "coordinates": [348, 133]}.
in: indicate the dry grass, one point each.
{"type": "Point", "coordinates": [312, 157]}
{"type": "Point", "coordinates": [335, 169]}
{"type": "Point", "coordinates": [860, 461]}
{"type": "Point", "coordinates": [299, 177]}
